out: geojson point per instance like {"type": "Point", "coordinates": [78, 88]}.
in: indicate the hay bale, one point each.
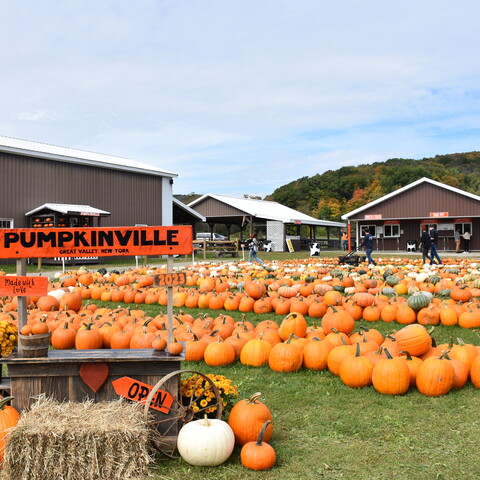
{"type": "Point", "coordinates": [83, 441]}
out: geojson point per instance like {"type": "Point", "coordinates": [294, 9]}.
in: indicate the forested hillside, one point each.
{"type": "Point", "coordinates": [335, 192]}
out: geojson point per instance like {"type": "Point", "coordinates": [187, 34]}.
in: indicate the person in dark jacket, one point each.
{"type": "Point", "coordinates": [426, 244]}
{"type": "Point", "coordinates": [433, 249]}
{"type": "Point", "coordinates": [368, 243]}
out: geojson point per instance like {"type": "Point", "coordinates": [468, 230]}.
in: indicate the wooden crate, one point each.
{"type": "Point", "coordinates": [58, 375]}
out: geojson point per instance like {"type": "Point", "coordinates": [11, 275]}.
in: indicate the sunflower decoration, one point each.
{"type": "Point", "coordinates": [197, 388]}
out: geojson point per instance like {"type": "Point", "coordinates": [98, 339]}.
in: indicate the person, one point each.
{"type": "Point", "coordinates": [426, 244]}
{"type": "Point", "coordinates": [253, 249]}
{"type": "Point", "coordinates": [433, 248]}
{"type": "Point", "coordinates": [344, 241]}
{"type": "Point", "coordinates": [466, 241]}
{"type": "Point", "coordinates": [457, 240]}
{"type": "Point", "coordinates": [368, 243]}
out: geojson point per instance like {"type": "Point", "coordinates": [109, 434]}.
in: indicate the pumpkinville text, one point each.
{"type": "Point", "coordinates": [18, 243]}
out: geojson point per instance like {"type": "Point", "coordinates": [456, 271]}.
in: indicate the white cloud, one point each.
{"type": "Point", "coordinates": [241, 97]}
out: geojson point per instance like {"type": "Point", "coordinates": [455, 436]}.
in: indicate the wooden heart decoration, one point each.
{"type": "Point", "coordinates": [94, 374]}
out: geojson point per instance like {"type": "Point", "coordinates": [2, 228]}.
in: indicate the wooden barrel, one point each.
{"type": "Point", "coordinates": [33, 346]}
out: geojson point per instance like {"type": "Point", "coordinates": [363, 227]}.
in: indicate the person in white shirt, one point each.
{"type": "Point", "coordinates": [466, 241]}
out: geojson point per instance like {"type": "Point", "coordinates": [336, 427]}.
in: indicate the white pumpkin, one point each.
{"type": "Point", "coordinates": [207, 442]}
{"type": "Point", "coordinates": [58, 293]}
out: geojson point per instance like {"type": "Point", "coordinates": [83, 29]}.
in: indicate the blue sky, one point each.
{"type": "Point", "coordinates": [241, 97]}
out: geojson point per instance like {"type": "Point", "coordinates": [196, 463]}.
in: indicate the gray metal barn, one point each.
{"type": "Point", "coordinates": [47, 185]}
{"type": "Point", "coordinates": [273, 218]}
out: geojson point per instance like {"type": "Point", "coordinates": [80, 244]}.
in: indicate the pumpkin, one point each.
{"type": "Point", "coordinates": [247, 418]}
{"type": "Point", "coordinates": [418, 301]}
{"type": "Point", "coordinates": [414, 339]}
{"type": "Point", "coordinates": [206, 442]}
{"type": "Point", "coordinates": [293, 323]}
{"type": "Point", "coordinates": [63, 338]}
{"type": "Point", "coordinates": [356, 371]}
{"type": "Point", "coordinates": [338, 320]}
{"type": "Point", "coordinates": [315, 354]}
{"type": "Point", "coordinates": [435, 376]}
{"type": "Point", "coordinates": [219, 353]}
{"type": "Point", "coordinates": [255, 352]}
{"type": "Point", "coordinates": [88, 338]}
{"type": "Point", "coordinates": [258, 455]}
{"type": "Point", "coordinates": [175, 347]}
{"type": "Point", "coordinates": [391, 375]}
{"type": "Point", "coordinates": [8, 419]}
{"type": "Point", "coordinates": [285, 357]}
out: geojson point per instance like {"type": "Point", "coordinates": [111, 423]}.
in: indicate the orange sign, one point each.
{"type": "Point", "coordinates": [377, 216]}
{"type": "Point", "coordinates": [438, 214]}
{"type": "Point", "coordinates": [14, 285]}
{"type": "Point", "coordinates": [95, 242]}
{"type": "Point", "coordinates": [171, 279]}
{"type": "Point", "coordinates": [138, 392]}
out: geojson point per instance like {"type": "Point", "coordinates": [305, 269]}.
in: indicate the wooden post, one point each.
{"type": "Point", "coordinates": [39, 263]}
{"type": "Point", "coordinates": [170, 300]}
{"type": "Point", "coordinates": [22, 301]}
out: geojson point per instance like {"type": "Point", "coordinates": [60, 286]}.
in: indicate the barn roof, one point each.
{"type": "Point", "coordinates": [71, 155]}
{"type": "Point", "coordinates": [265, 210]}
{"type": "Point", "coordinates": [69, 209]}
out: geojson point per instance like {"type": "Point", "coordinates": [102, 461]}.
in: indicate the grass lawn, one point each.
{"type": "Point", "coordinates": [325, 430]}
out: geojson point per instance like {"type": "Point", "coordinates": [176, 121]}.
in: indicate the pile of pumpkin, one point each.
{"type": "Point", "coordinates": [249, 426]}
{"type": "Point", "coordinates": [307, 288]}
{"type": "Point", "coordinates": [286, 347]}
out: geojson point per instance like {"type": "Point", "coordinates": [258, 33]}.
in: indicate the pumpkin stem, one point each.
{"type": "Point", "coordinates": [254, 398]}
{"type": "Point", "coordinates": [262, 432]}
{"type": "Point", "coordinates": [388, 354]}
{"type": "Point", "coordinates": [5, 400]}
{"type": "Point", "coordinates": [407, 354]}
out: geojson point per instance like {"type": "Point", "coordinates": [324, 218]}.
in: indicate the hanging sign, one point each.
{"type": "Point", "coordinates": [14, 285]}
{"type": "Point", "coordinates": [95, 242]}
{"type": "Point", "coordinates": [138, 392]}
{"type": "Point", "coordinates": [438, 214]}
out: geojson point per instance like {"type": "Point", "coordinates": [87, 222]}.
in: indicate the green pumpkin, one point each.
{"type": "Point", "coordinates": [337, 274]}
{"type": "Point", "coordinates": [444, 293]}
{"type": "Point", "coordinates": [388, 291]}
{"type": "Point", "coordinates": [434, 279]}
{"type": "Point", "coordinates": [418, 301]}
{"type": "Point", "coordinates": [392, 280]}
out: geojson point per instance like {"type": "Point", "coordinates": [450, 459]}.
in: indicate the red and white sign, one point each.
{"type": "Point", "coordinates": [391, 222]}
{"type": "Point", "coordinates": [462, 220]}
{"type": "Point", "coordinates": [438, 214]}
{"type": "Point", "coordinates": [14, 285]}
{"type": "Point", "coordinates": [138, 392]}
{"type": "Point", "coordinates": [377, 216]}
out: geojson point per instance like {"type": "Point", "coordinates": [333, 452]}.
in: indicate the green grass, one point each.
{"type": "Point", "coordinates": [325, 430]}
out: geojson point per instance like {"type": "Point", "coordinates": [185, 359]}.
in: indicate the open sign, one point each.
{"type": "Point", "coordinates": [138, 392]}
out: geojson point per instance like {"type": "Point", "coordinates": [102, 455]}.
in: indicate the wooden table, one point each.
{"type": "Point", "coordinates": [61, 375]}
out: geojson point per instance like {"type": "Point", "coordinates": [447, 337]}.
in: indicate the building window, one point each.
{"type": "Point", "coordinates": [371, 228]}
{"type": "Point", "coordinates": [427, 227]}
{"type": "Point", "coordinates": [464, 227]}
{"type": "Point", "coordinates": [6, 222]}
{"type": "Point", "coordinates": [391, 230]}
